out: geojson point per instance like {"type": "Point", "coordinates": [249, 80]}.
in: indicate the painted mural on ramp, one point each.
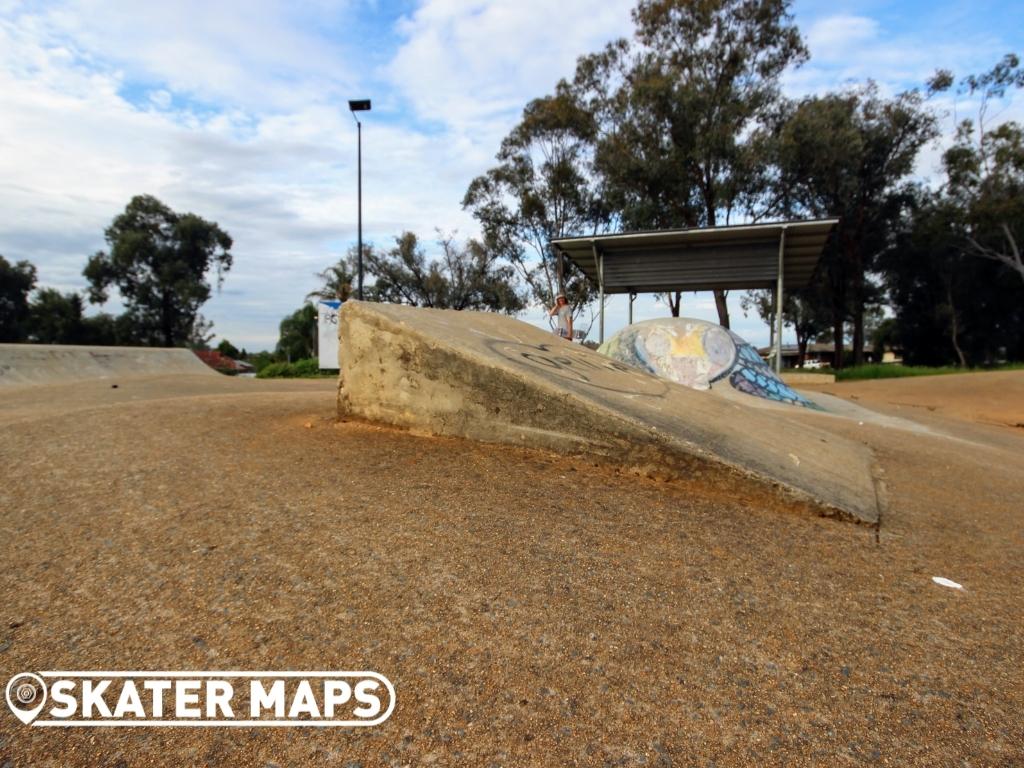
{"type": "Point", "coordinates": [699, 355]}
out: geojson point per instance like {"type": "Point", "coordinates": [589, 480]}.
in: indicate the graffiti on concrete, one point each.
{"type": "Point", "coordinates": [698, 354]}
{"type": "Point", "coordinates": [577, 364]}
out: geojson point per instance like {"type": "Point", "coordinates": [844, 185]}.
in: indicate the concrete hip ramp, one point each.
{"type": "Point", "coordinates": [28, 364]}
{"type": "Point", "coordinates": [492, 378]}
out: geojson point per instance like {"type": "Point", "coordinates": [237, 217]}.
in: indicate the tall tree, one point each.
{"type": "Point", "coordinates": [850, 155]}
{"type": "Point", "coordinates": [159, 261]}
{"type": "Point", "coordinates": [466, 276]}
{"type": "Point", "coordinates": [951, 305]}
{"type": "Point", "coordinates": [676, 107]}
{"type": "Point", "coordinates": [16, 283]}
{"type": "Point", "coordinates": [297, 334]}
{"type": "Point", "coordinates": [541, 190]}
{"type": "Point", "coordinates": [985, 168]}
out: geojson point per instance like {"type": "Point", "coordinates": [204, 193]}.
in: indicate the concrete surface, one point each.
{"type": "Point", "coordinates": [531, 609]}
{"type": "Point", "coordinates": [27, 364]}
{"type": "Point", "coordinates": [492, 378]}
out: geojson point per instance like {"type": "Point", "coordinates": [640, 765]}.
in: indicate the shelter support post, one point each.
{"type": "Point", "coordinates": [632, 298]}
{"type": "Point", "coordinates": [560, 269]}
{"type": "Point", "coordinates": [599, 257]}
{"type": "Point", "coordinates": [779, 286]}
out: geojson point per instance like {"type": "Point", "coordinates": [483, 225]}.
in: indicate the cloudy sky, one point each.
{"type": "Point", "coordinates": [237, 111]}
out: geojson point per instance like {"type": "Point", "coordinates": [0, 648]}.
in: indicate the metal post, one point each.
{"type": "Point", "coordinates": [359, 253]}
{"type": "Point", "coordinates": [632, 296]}
{"type": "Point", "coordinates": [778, 303]}
{"type": "Point", "coordinates": [600, 292]}
{"type": "Point", "coordinates": [560, 268]}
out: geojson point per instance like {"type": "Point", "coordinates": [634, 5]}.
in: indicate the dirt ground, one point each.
{"type": "Point", "coordinates": [530, 609]}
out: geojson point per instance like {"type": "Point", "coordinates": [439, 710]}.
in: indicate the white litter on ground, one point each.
{"type": "Point", "coordinates": [946, 582]}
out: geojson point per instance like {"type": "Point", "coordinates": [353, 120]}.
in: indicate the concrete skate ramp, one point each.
{"type": "Point", "coordinates": [27, 364]}
{"type": "Point", "coordinates": [492, 378]}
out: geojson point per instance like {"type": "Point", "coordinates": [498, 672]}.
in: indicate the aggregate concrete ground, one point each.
{"type": "Point", "coordinates": [530, 609]}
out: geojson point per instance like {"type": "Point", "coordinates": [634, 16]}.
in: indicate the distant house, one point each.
{"type": "Point", "coordinates": [223, 363]}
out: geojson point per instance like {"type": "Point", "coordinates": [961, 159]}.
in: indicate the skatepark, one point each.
{"type": "Point", "coordinates": [547, 552]}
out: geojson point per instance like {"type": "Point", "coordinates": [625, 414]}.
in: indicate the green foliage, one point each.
{"type": "Point", "coordinates": [57, 318]}
{"type": "Point", "coordinates": [950, 307]}
{"type": "Point", "coordinates": [805, 311]}
{"type": "Point", "coordinates": [228, 349]}
{"type": "Point", "coordinates": [339, 279]}
{"type": "Point", "coordinates": [261, 360]}
{"type": "Point", "coordinates": [850, 155]}
{"type": "Point", "coordinates": [879, 371]}
{"type": "Point", "coordinates": [466, 277]}
{"type": "Point", "coordinates": [275, 371]}
{"type": "Point", "coordinates": [159, 260]}
{"type": "Point", "coordinates": [16, 283]}
{"type": "Point", "coordinates": [950, 272]}
{"type": "Point", "coordinates": [105, 330]}
{"type": "Point", "coordinates": [308, 368]}
{"type": "Point", "coordinates": [677, 104]}
{"type": "Point", "coordinates": [540, 190]}
{"type": "Point", "coordinates": [297, 338]}
{"type": "Point", "coordinates": [677, 108]}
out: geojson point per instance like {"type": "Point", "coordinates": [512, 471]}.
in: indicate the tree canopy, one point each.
{"type": "Point", "coordinates": [159, 262]}
{"type": "Point", "coordinates": [851, 155]}
{"type": "Point", "coordinates": [541, 190]}
{"type": "Point", "coordinates": [954, 274]}
{"type": "Point", "coordinates": [467, 276]}
{"type": "Point", "coordinates": [650, 133]}
{"type": "Point", "coordinates": [16, 283]}
{"type": "Point", "coordinates": [297, 339]}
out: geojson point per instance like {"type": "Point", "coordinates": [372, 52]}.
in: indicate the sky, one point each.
{"type": "Point", "coordinates": [237, 111]}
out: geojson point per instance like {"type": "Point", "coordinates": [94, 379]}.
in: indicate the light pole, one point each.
{"type": "Point", "coordinates": [359, 105]}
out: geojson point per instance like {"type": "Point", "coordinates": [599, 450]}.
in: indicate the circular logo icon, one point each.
{"type": "Point", "coordinates": [26, 696]}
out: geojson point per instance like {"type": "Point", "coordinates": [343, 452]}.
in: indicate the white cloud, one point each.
{"type": "Point", "coordinates": [835, 38]}
{"type": "Point", "coordinates": [473, 65]}
{"type": "Point", "coordinates": [236, 111]}
{"type": "Point", "coordinates": [255, 53]}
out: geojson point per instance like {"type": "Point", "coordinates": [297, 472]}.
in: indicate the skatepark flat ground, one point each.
{"type": "Point", "coordinates": [530, 608]}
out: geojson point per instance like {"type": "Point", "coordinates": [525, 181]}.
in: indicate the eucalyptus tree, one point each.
{"type": "Point", "coordinates": [466, 276]}
{"type": "Point", "coordinates": [676, 107]}
{"type": "Point", "coordinates": [159, 261]}
{"type": "Point", "coordinates": [541, 190]}
{"type": "Point", "coordinates": [852, 155]}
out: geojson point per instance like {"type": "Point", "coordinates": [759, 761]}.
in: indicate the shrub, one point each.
{"type": "Point", "coordinates": [300, 369]}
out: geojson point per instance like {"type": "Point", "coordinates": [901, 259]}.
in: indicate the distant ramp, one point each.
{"type": "Point", "coordinates": [28, 364]}
{"type": "Point", "coordinates": [492, 378]}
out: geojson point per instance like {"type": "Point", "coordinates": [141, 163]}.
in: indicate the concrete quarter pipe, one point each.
{"type": "Point", "coordinates": [26, 364]}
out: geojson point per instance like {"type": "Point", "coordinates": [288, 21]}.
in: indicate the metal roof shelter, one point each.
{"type": "Point", "coordinates": [778, 255]}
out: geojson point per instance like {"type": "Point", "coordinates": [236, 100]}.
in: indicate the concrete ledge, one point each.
{"type": "Point", "coordinates": [492, 378]}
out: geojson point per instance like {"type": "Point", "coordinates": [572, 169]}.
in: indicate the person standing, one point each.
{"type": "Point", "coordinates": [563, 312]}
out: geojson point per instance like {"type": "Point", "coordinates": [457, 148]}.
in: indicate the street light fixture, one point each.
{"type": "Point", "coordinates": [359, 105]}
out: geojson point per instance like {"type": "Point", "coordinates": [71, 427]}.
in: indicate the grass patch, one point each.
{"type": "Point", "coordinates": [300, 369]}
{"type": "Point", "coordinates": [879, 371]}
